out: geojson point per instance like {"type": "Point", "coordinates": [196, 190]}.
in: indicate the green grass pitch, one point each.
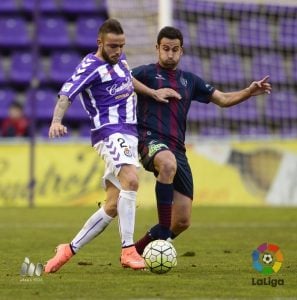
{"type": "Point", "coordinates": [214, 256]}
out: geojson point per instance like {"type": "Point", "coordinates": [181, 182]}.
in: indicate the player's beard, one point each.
{"type": "Point", "coordinates": [108, 59]}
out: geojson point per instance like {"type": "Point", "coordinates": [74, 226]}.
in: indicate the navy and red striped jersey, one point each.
{"type": "Point", "coordinates": [167, 121]}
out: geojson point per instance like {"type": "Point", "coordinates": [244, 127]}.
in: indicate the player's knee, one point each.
{"type": "Point", "coordinates": [167, 168]}
{"type": "Point", "coordinates": [130, 183]}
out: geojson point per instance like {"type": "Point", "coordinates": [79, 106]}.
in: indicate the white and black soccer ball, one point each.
{"type": "Point", "coordinates": [267, 258]}
{"type": "Point", "coordinates": [160, 256]}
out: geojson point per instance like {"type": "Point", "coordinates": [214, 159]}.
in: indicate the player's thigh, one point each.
{"type": "Point", "coordinates": [181, 211]}
{"type": "Point", "coordinates": [128, 177]}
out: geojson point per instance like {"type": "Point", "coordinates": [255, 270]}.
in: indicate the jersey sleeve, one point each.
{"type": "Point", "coordinates": [202, 90]}
{"type": "Point", "coordinates": [82, 77]}
{"type": "Point", "coordinates": [138, 73]}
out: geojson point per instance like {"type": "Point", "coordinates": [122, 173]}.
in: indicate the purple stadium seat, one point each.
{"type": "Point", "coordinates": [2, 73]}
{"type": "Point", "coordinates": [44, 6]}
{"type": "Point", "coordinates": [87, 31]}
{"type": "Point", "coordinates": [203, 112]}
{"type": "Point", "coordinates": [254, 32]}
{"type": "Point", "coordinates": [294, 69]}
{"type": "Point", "coordinates": [226, 69]}
{"type": "Point", "coordinates": [238, 8]}
{"type": "Point", "coordinates": [246, 111]}
{"type": "Point", "coordinates": [14, 32]}
{"type": "Point", "coordinates": [7, 96]}
{"type": "Point", "coordinates": [198, 6]}
{"type": "Point", "coordinates": [10, 6]}
{"type": "Point", "coordinates": [84, 131]}
{"type": "Point", "coordinates": [192, 64]}
{"type": "Point", "coordinates": [184, 27]}
{"type": "Point", "coordinates": [81, 7]}
{"type": "Point", "coordinates": [45, 100]}
{"type": "Point", "coordinates": [269, 64]}
{"type": "Point", "coordinates": [53, 32]}
{"type": "Point", "coordinates": [287, 33]}
{"type": "Point", "coordinates": [76, 111]}
{"type": "Point", "coordinates": [253, 131]}
{"type": "Point", "coordinates": [22, 68]}
{"type": "Point", "coordinates": [212, 33]}
{"type": "Point", "coordinates": [63, 65]}
{"type": "Point", "coordinates": [281, 105]}
{"type": "Point", "coordinates": [214, 131]}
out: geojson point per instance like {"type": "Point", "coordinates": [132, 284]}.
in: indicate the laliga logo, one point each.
{"type": "Point", "coordinates": [267, 260]}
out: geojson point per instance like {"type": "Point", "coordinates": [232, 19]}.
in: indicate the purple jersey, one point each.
{"type": "Point", "coordinates": [107, 95]}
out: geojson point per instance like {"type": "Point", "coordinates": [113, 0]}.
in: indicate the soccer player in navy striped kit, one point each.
{"type": "Point", "coordinates": [162, 127]}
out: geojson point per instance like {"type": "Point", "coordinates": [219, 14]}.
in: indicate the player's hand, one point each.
{"type": "Point", "coordinates": [57, 130]}
{"type": "Point", "coordinates": [260, 87]}
{"type": "Point", "coordinates": [162, 95]}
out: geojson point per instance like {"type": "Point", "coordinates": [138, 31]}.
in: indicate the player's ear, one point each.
{"type": "Point", "coordinates": [99, 42]}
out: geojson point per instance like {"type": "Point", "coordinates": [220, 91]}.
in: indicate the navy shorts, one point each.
{"type": "Point", "coordinates": [183, 180]}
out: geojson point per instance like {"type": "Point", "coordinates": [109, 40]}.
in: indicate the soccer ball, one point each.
{"type": "Point", "coordinates": [267, 258]}
{"type": "Point", "coordinates": [160, 256]}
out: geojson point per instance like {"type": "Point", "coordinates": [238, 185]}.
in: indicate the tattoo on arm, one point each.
{"type": "Point", "coordinates": [60, 109]}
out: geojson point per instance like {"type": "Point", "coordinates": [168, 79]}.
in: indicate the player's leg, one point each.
{"type": "Point", "coordinates": [181, 213]}
{"type": "Point", "coordinates": [99, 220]}
{"type": "Point", "coordinates": [164, 165]}
{"type": "Point", "coordinates": [92, 228]}
{"type": "Point", "coordinates": [183, 197]}
{"type": "Point", "coordinates": [121, 156]}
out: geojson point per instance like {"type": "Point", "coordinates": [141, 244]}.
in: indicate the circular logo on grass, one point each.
{"type": "Point", "coordinates": [267, 259]}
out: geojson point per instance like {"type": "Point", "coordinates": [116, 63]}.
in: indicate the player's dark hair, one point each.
{"type": "Point", "coordinates": [170, 33]}
{"type": "Point", "coordinates": [111, 26]}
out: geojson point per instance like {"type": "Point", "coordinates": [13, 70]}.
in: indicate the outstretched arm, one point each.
{"type": "Point", "coordinates": [57, 129]}
{"type": "Point", "coordinates": [229, 99]}
{"type": "Point", "coordinates": [159, 95]}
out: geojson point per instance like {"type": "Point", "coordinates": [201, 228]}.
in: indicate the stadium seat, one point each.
{"type": "Point", "coordinates": [203, 112]}
{"type": "Point", "coordinates": [2, 73]}
{"type": "Point", "coordinates": [204, 7]}
{"type": "Point", "coordinates": [254, 32]}
{"type": "Point", "coordinates": [84, 131]}
{"type": "Point", "coordinates": [62, 65]}
{"type": "Point", "coordinates": [281, 105]}
{"type": "Point", "coordinates": [227, 69]}
{"type": "Point", "coordinates": [253, 131]}
{"type": "Point", "coordinates": [212, 33]}
{"type": "Point", "coordinates": [14, 32]}
{"type": "Point", "coordinates": [269, 64]}
{"type": "Point", "coordinates": [214, 131]}
{"type": "Point", "coordinates": [287, 33]}
{"type": "Point", "coordinates": [22, 68]}
{"type": "Point", "coordinates": [184, 27]}
{"type": "Point", "coordinates": [246, 111]}
{"type": "Point", "coordinates": [238, 8]}
{"type": "Point", "coordinates": [53, 33]}
{"type": "Point", "coordinates": [45, 100]}
{"type": "Point", "coordinates": [82, 7]}
{"type": "Point", "coordinates": [192, 64]}
{"type": "Point", "coordinates": [10, 6]}
{"type": "Point", "coordinates": [87, 31]}
{"type": "Point", "coordinates": [294, 69]}
{"type": "Point", "coordinates": [48, 6]}
{"type": "Point", "coordinates": [7, 96]}
{"type": "Point", "coordinates": [76, 111]}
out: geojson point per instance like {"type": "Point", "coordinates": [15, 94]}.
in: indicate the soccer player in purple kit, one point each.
{"type": "Point", "coordinates": [106, 88]}
{"type": "Point", "coordinates": [162, 127]}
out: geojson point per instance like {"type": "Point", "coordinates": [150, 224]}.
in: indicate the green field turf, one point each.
{"type": "Point", "coordinates": [214, 256]}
